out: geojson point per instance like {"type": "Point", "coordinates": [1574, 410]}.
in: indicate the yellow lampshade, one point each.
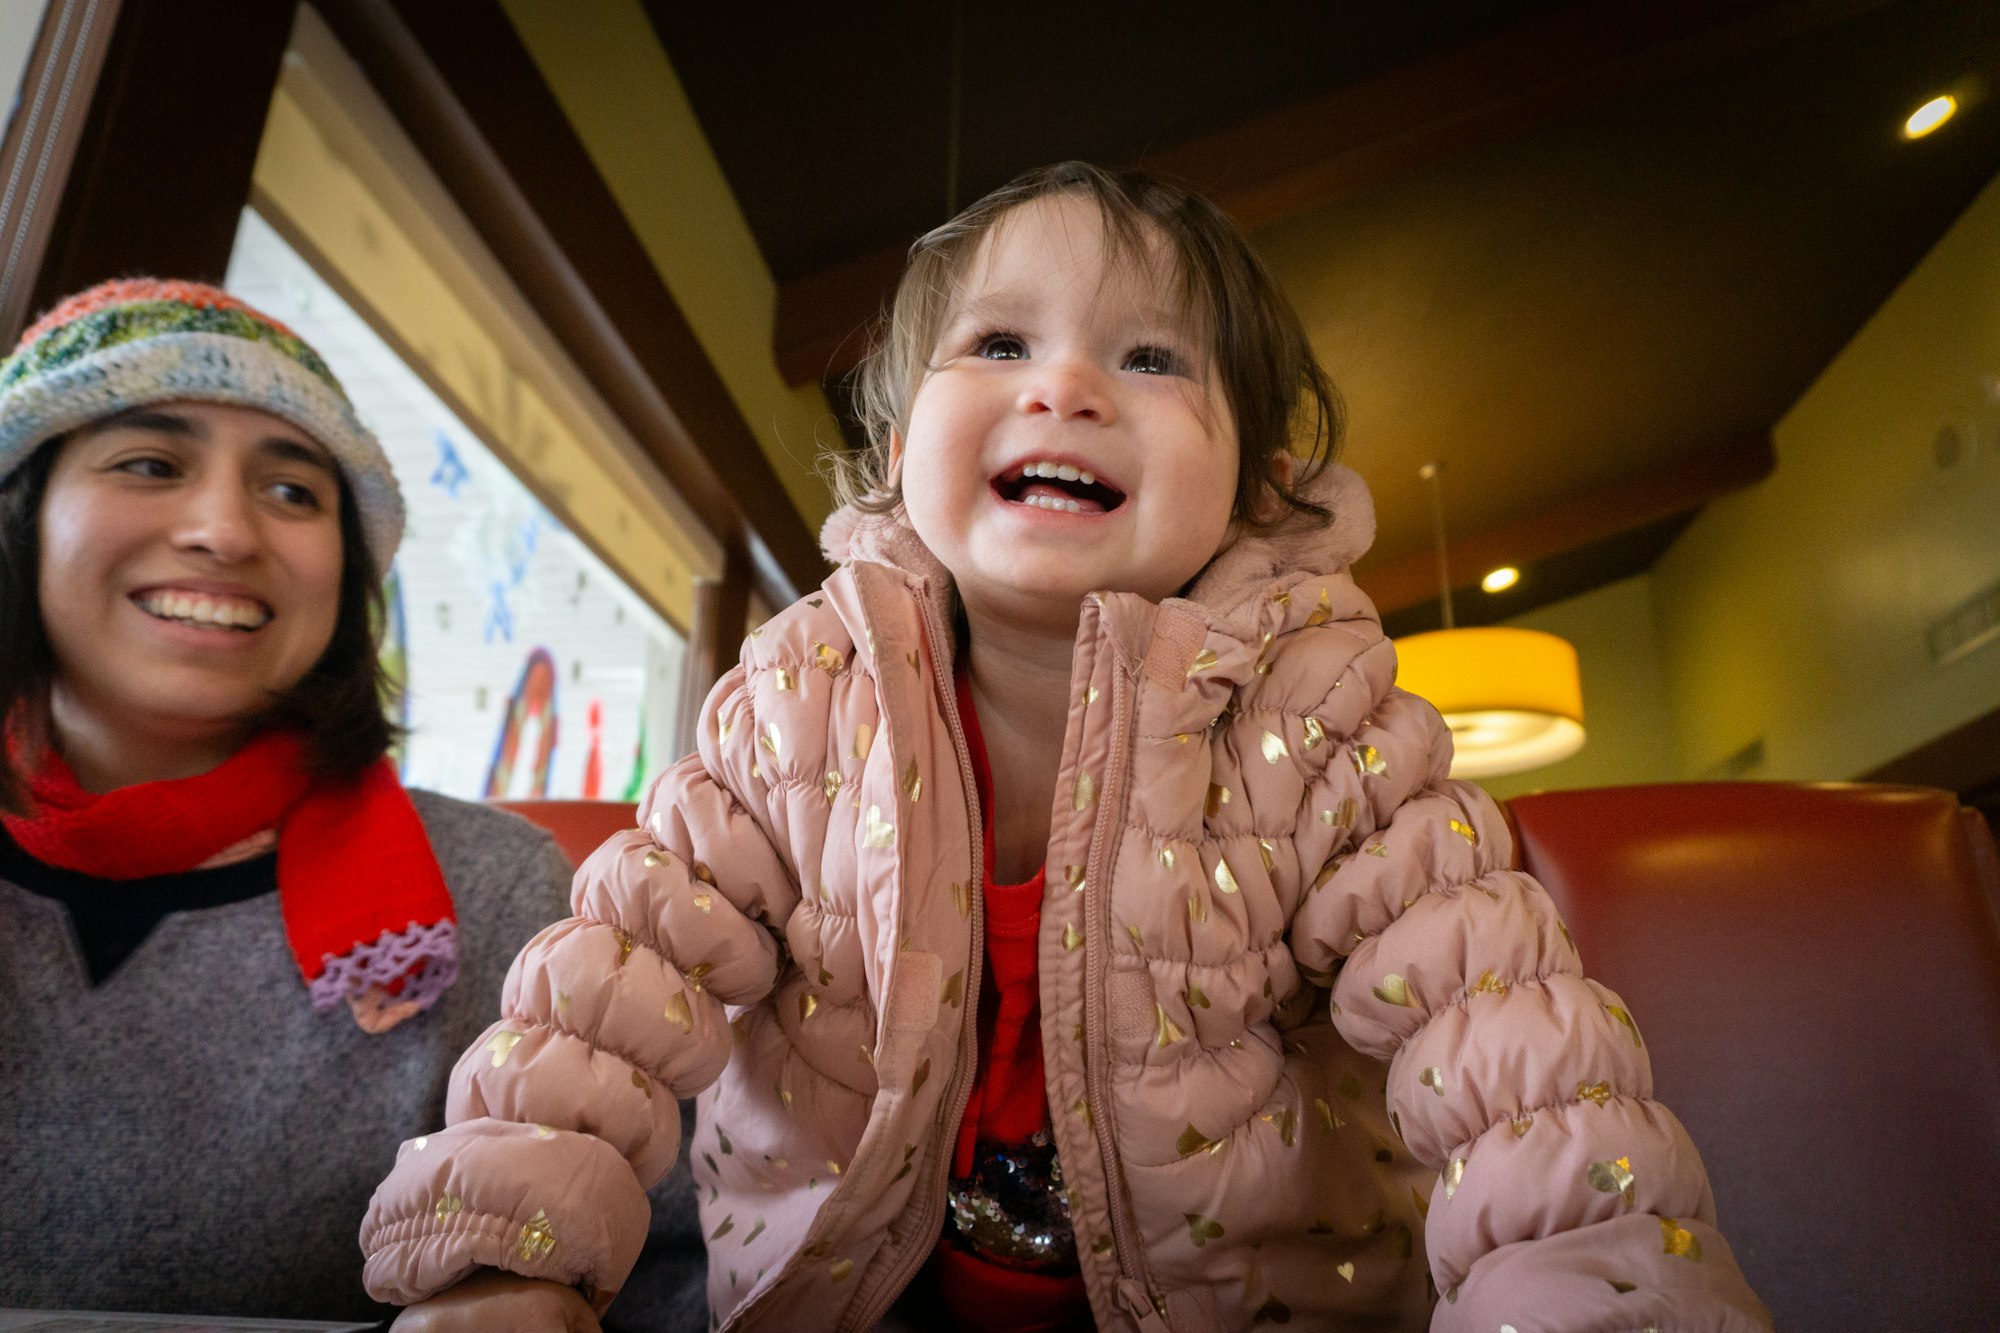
{"type": "Point", "coordinates": [1512, 697]}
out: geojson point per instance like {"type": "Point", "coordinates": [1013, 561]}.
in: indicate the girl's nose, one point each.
{"type": "Point", "coordinates": [219, 519]}
{"type": "Point", "coordinates": [1069, 388]}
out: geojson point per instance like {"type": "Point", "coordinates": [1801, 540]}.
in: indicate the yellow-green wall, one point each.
{"type": "Point", "coordinates": [607, 68]}
{"type": "Point", "coordinates": [1795, 612]}
{"type": "Point", "coordinates": [1787, 624]}
{"type": "Point", "coordinates": [1628, 729]}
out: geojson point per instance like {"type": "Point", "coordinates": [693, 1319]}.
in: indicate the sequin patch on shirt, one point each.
{"type": "Point", "coordinates": [1010, 1211]}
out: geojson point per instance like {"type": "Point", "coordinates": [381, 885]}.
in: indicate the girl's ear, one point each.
{"type": "Point", "coordinates": [1278, 475]}
{"type": "Point", "coordinates": [1283, 468]}
{"type": "Point", "coordinates": [895, 458]}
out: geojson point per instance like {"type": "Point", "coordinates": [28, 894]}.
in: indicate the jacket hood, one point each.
{"type": "Point", "coordinates": [1247, 566]}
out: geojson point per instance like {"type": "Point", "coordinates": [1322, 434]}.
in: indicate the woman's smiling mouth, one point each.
{"type": "Point", "coordinates": [1044, 483]}
{"type": "Point", "coordinates": [202, 609]}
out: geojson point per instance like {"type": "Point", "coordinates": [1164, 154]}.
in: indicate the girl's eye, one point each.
{"type": "Point", "coordinates": [1000, 347]}
{"type": "Point", "coordinates": [1153, 361]}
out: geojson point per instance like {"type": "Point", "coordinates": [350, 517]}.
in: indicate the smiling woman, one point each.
{"type": "Point", "coordinates": [196, 811]}
{"type": "Point", "coordinates": [189, 580]}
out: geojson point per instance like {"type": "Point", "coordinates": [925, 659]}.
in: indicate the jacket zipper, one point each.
{"type": "Point", "coordinates": [1134, 1288]}
{"type": "Point", "coordinates": [930, 1190]}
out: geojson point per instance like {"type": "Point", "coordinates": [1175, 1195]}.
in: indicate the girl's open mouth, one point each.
{"type": "Point", "coordinates": [1048, 484]}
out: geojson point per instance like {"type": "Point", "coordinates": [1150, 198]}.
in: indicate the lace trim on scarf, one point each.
{"type": "Point", "coordinates": [423, 958]}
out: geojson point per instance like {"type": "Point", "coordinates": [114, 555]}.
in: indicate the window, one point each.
{"type": "Point", "coordinates": [531, 669]}
{"type": "Point", "coordinates": [539, 601]}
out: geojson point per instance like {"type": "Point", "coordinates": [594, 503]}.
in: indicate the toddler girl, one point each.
{"type": "Point", "coordinates": [1065, 919]}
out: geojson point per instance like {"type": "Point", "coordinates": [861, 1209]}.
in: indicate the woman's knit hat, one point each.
{"type": "Point", "coordinates": [135, 341]}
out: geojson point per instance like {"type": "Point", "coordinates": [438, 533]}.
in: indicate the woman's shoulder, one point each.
{"type": "Point", "coordinates": [494, 857]}
{"type": "Point", "coordinates": [476, 826]}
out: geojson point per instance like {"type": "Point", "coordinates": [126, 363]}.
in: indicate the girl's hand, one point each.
{"type": "Point", "coordinates": [495, 1302]}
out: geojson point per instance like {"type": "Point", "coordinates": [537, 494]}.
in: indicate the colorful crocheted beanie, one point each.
{"type": "Point", "coordinates": [135, 341]}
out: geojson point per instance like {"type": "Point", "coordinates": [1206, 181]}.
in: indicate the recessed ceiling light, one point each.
{"type": "Point", "coordinates": [1929, 116]}
{"type": "Point", "coordinates": [1501, 579]}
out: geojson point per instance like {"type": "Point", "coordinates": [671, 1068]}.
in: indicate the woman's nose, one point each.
{"type": "Point", "coordinates": [219, 519]}
{"type": "Point", "coordinates": [1069, 388]}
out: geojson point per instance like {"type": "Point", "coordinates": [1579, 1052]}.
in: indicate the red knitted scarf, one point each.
{"type": "Point", "coordinates": [365, 907]}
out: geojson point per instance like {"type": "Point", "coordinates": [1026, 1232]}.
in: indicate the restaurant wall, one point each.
{"type": "Point", "coordinates": [1793, 615]}
{"type": "Point", "coordinates": [1628, 728]}
{"type": "Point", "coordinates": [608, 70]}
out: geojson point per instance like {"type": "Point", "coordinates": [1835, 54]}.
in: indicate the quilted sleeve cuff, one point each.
{"type": "Point", "coordinates": [542, 1203]}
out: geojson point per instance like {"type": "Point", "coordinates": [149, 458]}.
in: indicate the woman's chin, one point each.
{"type": "Point", "coordinates": [200, 711]}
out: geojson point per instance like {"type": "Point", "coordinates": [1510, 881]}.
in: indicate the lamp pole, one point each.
{"type": "Point", "coordinates": [1430, 473]}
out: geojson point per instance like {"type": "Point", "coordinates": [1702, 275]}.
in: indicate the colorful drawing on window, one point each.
{"type": "Point", "coordinates": [396, 660]}
{"type": "Point", "coordinates": [451, 472]}
{"type": "Point", "coordinates": [642, 765]}
{"type": "Point", "coordinates": [593, 759]}
{"type": "Point", "coordinates": [531, 711]}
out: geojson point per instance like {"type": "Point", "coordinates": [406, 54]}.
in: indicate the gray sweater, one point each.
{"type": "Point", "coordinates": [191, 1137]}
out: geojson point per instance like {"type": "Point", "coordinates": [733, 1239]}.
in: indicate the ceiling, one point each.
{"type": "Point", "coordinates": [1585, 255]}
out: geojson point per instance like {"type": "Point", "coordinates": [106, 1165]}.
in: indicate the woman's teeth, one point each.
{"type": "Point", "coordinates": [1062, 471]}
{"type": "Point", "coordinates": [199, 610]}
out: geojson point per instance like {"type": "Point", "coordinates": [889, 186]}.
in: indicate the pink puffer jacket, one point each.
{"type": "Point", "coordinates": [1250, 816]}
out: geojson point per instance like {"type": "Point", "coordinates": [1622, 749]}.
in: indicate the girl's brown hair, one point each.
{"type": "Point", "coordinates": [341, 703]}
{"type": "Point", "coordinates": [1282, 399]}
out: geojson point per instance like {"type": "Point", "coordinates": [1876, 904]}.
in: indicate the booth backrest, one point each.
{"type": "Point", "coordinates": [1816, 971]}
{"type": "Point", "coordinates": [578, 826]}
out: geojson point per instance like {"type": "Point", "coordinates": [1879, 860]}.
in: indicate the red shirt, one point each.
{"type": "Point", "coordinates": [1009, 1101]}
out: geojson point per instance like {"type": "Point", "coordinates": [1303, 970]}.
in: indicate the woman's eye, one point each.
{"type": "Point", "coordinates": [1000, 347]}
{"type": "Point", "coordinates": [1153, 361]}
{"type": "Point", "coordinates": [297, 495]}
{"type": "Point", "coordinates": [158, 469]}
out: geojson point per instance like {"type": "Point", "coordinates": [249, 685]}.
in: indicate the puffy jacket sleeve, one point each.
{"type": "Point", "coordinates": [567, 1109]}
{"type": "Point", "coordinates": [1567, 1197]}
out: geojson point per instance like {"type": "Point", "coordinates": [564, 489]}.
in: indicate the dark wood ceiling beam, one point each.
{"type": "Point", "coordinates": [1285, 163]}
{"type": "Point", "coordinates": [40, 147]}
{"type": "Point", "coordinates": [464, 88]}
{"type": "Point", "coordinates": [1413, 579]}
{"type": "Point", "coordinates": [117, 162]}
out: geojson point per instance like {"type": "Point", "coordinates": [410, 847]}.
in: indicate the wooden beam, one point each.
{"type": "Point", "coordinates": [57, 86]}
{"type": "Point", "coordinates": [162, 170]}
{"type": "Point", "coordinates": [822, 322]}
{"type": "Point", "coordinates": [120, 162]}
{"type": "Point", "coordinates": [1588, 518]}
{"type": "Point", "coordinates": [721, 612]}
{"type": "Point", "coordinates": [1278, 165]}
{"type": "Point", "coordinates": [1965, 760]}
{"type": "Point", "coordinates": [464, 88]}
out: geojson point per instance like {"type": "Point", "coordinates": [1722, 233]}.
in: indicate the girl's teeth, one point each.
{"type": "Point", "coordinates": [1060, 471]}
{"type": "Point", "coordinates": [1050, 502]}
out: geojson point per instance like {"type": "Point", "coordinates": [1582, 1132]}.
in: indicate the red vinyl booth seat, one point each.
{"type": "Point", "coordinates": [1816, 972]}
{"type": "Point", "coordinates": [577, 826]}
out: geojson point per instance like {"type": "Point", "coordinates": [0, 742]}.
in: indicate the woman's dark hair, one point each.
{"type": "Point", "coordinates": [341, 704]}
{"type": "Point", "coordinates": [1282, 399]}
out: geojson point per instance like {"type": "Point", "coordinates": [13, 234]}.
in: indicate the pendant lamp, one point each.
{"type": "Point", "coordinates": [1512, 697]}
